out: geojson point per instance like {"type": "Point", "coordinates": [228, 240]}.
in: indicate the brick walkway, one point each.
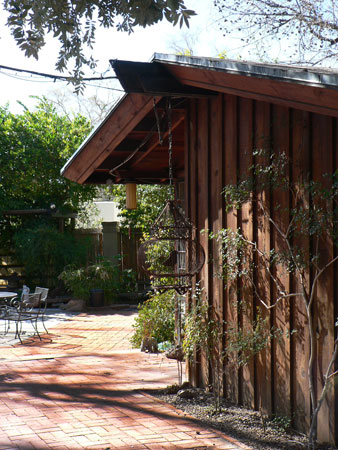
{"type": "Point", "coordinates": [80, 389]}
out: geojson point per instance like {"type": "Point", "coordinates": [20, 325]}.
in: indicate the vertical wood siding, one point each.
{"type": "Point", "coordinates": [221, 134]}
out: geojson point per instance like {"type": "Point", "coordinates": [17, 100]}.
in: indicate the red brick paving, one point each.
{"type": "Point", "coordinates": [80, 389]}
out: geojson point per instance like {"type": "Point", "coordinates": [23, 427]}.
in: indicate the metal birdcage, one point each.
{"type": "Point", "coordinates": [171, 257]}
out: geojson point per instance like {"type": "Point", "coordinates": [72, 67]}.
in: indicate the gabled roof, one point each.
{"type": "Point", "coordinates": [126, 145]}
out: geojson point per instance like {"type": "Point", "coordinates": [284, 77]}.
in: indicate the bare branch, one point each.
{"type": "Point", "coordinates": [309, 26]}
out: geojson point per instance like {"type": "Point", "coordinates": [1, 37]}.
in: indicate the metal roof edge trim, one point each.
{"type": "Point", "coordinates": [318, 77]}
{"type": "Point", "coordinates": [92, 134]}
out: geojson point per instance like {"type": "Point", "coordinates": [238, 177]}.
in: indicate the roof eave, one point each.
{"type": "Point", "coordinates": [90, 136]}
{"type": "Point", "coordinates": [303, 75]}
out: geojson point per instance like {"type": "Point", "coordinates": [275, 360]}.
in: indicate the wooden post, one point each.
{"type": "Point", "coordinates": [131, 196]}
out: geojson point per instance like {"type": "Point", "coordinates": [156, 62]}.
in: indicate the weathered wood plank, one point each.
{"type": "Point", "coordinates": [301, 154]}
{"type": "Point", "coordinates": [280, 199]}
{"type": "Point", "coordinates": [294, 95]}
{"type": "Point", "coordinates": [191, 182]}
{"type": "Point", "coordinates": [246, 306]}
{"type": "Point", "coordinates": [335, 280]}
{"type": "Point", "coordinates": [203, 213]}
{"type": "Point", "coordinates": [262, 229]}
{"type": "Point", "coordinates": [230, 170]}
{"type": "Point", "coordinates": [324, 307]}
{"type": "Point", "coordinates": [112, 131]}
{"type": "Point", "coordinates": [176, 120]}
{"type": "Point", "coordinates": [216, 221]}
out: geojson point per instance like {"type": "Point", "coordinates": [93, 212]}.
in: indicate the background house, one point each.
{"type": "Point", "coordinates": [221, 111]}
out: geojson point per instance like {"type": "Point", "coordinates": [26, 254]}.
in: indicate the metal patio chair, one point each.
{"type": "Point", "coordinates": [27, 310]}
{"type": "Point", "coordinates": [43, 304]}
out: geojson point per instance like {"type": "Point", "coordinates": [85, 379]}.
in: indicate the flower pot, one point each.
{"type": "Point", "coordinates": [96, 298]}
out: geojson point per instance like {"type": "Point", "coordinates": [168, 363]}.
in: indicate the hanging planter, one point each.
{"type": "Point", "coordinates": [171, 257]}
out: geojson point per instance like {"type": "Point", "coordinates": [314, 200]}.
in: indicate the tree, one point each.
{"type": "Point", "coordinates": [312, 219]}
{"type": "Point", "coordinates": [33, 148]}
{"type": "Point", "coordinates": [74, 24]}
{"type": "Point", "coordinates": [310, 27]}
{"type": "Point", "coordinates": [67, 103]}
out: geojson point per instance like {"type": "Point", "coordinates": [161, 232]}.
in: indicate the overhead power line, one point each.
{"type": "Point", "coordinates": [55, 77]}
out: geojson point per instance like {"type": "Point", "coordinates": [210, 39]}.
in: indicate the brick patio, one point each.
{"type": "Point", "coordinates": [81, 388]}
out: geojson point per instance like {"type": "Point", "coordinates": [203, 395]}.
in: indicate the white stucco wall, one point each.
{"type": "Point", "coordinates": [108, 211]}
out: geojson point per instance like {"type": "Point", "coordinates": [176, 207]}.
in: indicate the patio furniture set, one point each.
{"type": "Point", "coordinates": [29, 307]}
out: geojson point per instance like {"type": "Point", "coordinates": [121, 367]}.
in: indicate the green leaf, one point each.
{"type": "Point", "coordinates": [73, 24]}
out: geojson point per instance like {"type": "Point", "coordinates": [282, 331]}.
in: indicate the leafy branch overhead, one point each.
{"type": "Point", "coordinates": [74, 23]}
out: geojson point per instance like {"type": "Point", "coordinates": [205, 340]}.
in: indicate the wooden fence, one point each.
{"type": "Point", "coordinates": [12, 274]}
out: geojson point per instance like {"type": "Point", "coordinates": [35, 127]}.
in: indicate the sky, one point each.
{"type": "Point", "coordinates": [206, 39]}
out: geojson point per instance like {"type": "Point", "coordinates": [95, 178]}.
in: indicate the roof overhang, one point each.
{"type": "Point", "coordinates": [153, 79]}
{"type": "Point", "coordinates": [131, 144]}
{"type": "Point", "coordinates": [305, 88]}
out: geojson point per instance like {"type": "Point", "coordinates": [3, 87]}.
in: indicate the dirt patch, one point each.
{"type": "Point", "coordinates": [249, 427]}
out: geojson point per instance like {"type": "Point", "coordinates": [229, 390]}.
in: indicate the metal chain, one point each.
{"type": "Point", "coordinates": [160, 138]}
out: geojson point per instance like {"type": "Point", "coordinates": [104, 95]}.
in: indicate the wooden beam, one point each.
{"type": "Point", "coordinates": [129, 174]}
{"type": "Point", "coordinates": [177, 119]}
{"type": "Point", "coordinates": [307, 98]}
{"type": "Point", "coordinates": [25, 212]}
{"type": "Point", "coordinates": [113, 130]}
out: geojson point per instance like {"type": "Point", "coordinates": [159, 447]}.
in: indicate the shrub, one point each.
{"type": "Point", "coordinates": [103, 274]}
{"type": "Point", "coordinates": [44, 252]}
{"type": "Point", "coordinates": [156, 319]}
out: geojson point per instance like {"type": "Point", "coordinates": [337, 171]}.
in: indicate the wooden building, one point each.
{"type": "Point", "coordinates": [221, 111]}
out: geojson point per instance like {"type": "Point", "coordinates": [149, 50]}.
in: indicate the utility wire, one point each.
{"type": "Point", "coordinates": [55, 77]}
{"type": "Point", "coordinates": [36, 80]}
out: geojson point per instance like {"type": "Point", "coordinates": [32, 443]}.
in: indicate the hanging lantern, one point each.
{"type": "Point", "coordinates": [171, 257]}
{"type": "Point", "coordinates": [130, 195]}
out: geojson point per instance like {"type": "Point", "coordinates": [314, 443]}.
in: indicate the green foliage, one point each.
{"type": "Point", "coordinates": [103, 274]}
{"type": "Point", "coordinates": [271, 175]}
{"type": "Point", "coordinates": [313, 215]}
{"type": "Point", "coordinates": [185, 52]}
{"type": "Point", "coordinates": [244, 343]}
{"type": "Point", "coordinates": [74, 24]}
{"type": "Point", "coordinates": [33, 148]}
{"type": "Point", "coordinates": [202, 328]}
{"type": "Point", "coordinates": [128, 280]}
{"type": "Point", "coordinates": [88, 216]}
{"type": "Point", "coordinates": [158, 253]}
{"type": "Point", "coordinates": [222, 55]}
{"type": "Point", "coordinates": [156, 319]}
{"type": "Point", "coordinates": [203, 331]}
{"type": "Point", "coordinates": [44, 252]}
{"type": "Point", "coordinates": [235, 254]}
{"type": "Point", "coordinates": [151, 199]}
{"type": "Point", "coordinates": [281, 422]}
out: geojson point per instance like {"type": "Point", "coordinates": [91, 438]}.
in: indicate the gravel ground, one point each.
{"type": "Point", "coordinates": [248, 427]}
